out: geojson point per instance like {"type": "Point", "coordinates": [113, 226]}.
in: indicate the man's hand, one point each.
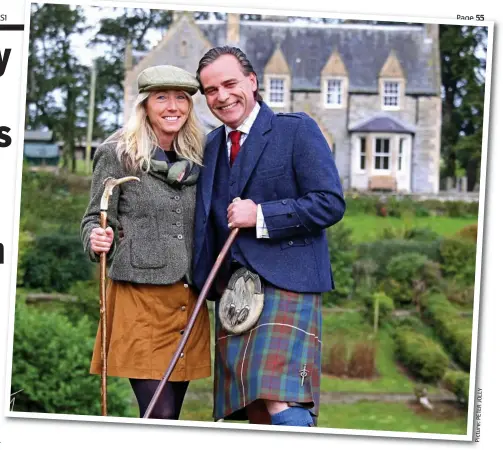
{"type": "Point", "coordinates": [242, 214]}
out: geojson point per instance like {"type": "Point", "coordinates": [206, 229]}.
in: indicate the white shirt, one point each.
{"type": "Point", "coordinates": [245, 128]}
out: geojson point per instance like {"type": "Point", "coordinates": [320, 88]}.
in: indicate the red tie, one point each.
{"type": "Point", "coordinates": [235, 137]}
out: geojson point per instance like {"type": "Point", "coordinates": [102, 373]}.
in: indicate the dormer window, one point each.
{"type": "Point", "coordinates": [277, 91]}
{"type": "Point", "coordinates": [391, 94]}
{"type": "Point", "coordinates": [333, 92]}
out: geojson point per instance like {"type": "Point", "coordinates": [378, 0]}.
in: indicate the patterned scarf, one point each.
{"type": "Point", "coordinates": [182, 172]}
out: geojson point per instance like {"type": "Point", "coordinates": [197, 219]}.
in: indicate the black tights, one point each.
{"type": "Point", "coordinates": [169, 404]}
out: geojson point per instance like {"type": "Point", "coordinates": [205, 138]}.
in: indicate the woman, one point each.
{"type": "Point", "coordinates": [149, 294]}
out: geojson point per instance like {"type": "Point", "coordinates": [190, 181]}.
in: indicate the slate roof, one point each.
{"type": "Point", "coordinates": [383, 123]}
{"type": "Point", "coordinates": [363, 48]}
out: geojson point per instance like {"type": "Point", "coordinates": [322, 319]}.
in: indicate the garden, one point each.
{"type": "Point", "coordinates": [397, 329]}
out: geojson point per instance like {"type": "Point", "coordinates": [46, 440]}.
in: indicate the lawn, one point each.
{"type": "Point", "coordinates": [366, 415]}
{"type": "Point", "coordinates": [367, 227]}
{"type": "Point", "coordinates": [401, 417]}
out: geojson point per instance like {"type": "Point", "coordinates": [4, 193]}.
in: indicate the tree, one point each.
{"type": "Point", "coordinates": [56, 79]}
{"type": "Point", "coordinates": [463, 52]}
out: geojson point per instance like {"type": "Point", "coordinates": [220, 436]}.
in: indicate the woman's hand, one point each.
{"type": "Point", "coordinates": [101, 240]}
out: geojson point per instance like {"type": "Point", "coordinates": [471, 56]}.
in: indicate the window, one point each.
{"type": "Point", "coordinates": [363, 155]}
{"type": "Point", "coordinates": [382, 155]}
{"type": "Point", "coordinates": [391, 96]}
{"type": "Point", "coordinates": [401, 155]}
{"type": "Point", "coordinates": [334, 92]}
{"type": "Point", "coordinates": [277, 91]}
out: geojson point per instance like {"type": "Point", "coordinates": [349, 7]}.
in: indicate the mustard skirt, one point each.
{"type": "Point", "coordinates": [145, 324]}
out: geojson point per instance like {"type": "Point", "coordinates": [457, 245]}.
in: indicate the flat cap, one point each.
{"type": "Point", "coordinates": [157, 78]}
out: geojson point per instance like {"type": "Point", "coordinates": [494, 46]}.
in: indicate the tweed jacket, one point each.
{"type": "Point", "coordinates": [287, 167]}
{"type": "Point", "coordinates": [156, 217]}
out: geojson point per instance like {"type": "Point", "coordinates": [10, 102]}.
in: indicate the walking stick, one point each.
{"type": "Point", "coordinates": [109, 183]}
{"type": "Point", "coordinates": [199, 303]}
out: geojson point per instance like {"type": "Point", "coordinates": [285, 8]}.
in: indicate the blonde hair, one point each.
{"type": "Point", "coordinates": [137, 140]}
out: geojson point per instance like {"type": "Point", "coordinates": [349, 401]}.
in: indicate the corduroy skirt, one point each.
{"type": "Point", "coordinates": [145, 324]}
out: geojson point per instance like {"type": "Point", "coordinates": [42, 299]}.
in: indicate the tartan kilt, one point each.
{"type": "Point", "coordinates": [266, 361]}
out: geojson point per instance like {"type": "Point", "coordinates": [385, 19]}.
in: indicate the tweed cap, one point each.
{"type": "Point", "coordinates": [167, 77]}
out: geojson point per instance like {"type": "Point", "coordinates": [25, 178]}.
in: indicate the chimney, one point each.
{"type": "Point", "coordinates": [432, 34]}
{"type": "Point", "coordinates": [233, 29]}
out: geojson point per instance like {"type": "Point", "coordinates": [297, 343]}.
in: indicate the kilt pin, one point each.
{"type": "Point", "coordinates": [286, 167]}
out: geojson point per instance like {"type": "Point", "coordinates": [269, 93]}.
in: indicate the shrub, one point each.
{"type": "Point", "coordinates": [421, 211]}
{"type": "Point", "coordinates": [336, 363]}
{"type": "Point", "coordinates": [383, 251]}
{"type": "Point", "coordinates": [386, 307]}
{"type": "Point", "coordinates": [363, 273]}
{"type": "Point", "coordinates": [397, 206]}
{"type": "Point", "coordinates": [469, 232]}
{"type": "Point", "coordinates": [454, 330]}
{"type": "Point", "coordinates": [50, 366]}
{"type": "Point", "coordinates": [87, 302]}
{"type": "Point", "coordinates": [49, 200]}
{"type": "Point", "coordinates": [411, 322]}
{"type": "Point", "coordinates": [422, 234]}
{"type": "Point", "coordinates": [458, 293]}
{"type": "Point", "coordinates": [341, 259]}
{"type": "Point", "coordinates": [409, 275]}
{"type": "Point", "coordinates": [362, 360]}
{"type": "Point", "coordinates": [421, 355]}
{"type": "Point", "coordinates": [25, 243]}
{"type": "Point", "coordinates": [55, 261]}
{"type": "Point", "coordinates": [458, 383]}
{"type": "Point", "coordinates": [458, 257]}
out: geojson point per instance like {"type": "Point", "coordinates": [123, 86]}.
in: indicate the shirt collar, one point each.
{"type": "Point", "coordinates": [245, 127]}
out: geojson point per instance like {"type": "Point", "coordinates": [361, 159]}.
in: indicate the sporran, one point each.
{"type": "Point", "coordinates": [242, 302]}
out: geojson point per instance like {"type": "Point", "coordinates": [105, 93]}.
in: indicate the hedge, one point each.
{"type": "Point", "coordinates": [453, 329]}
{"type": "Point", "coordinates": [424, 357]}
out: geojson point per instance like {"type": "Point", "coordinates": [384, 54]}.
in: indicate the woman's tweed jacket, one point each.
{"type": "Point", "coordinates": [156, 217]}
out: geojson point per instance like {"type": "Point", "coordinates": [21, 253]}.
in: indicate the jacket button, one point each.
{"type": "Point", "coordinates": [181, 355]}
{"type": "Point", "coordinates": [283, 201]}
{"type": "Point", "coordinates": [180, 236]}
{"type": "Point", "coordinates": [183, 308]}
{"type": "Point", "coordinates": [181, 331]}
{"type": "Point", "coordinates": [178, 224]}
{"type": "Point", "coordinates": [290, 242]}
{"type": "Point", "coordinates": [186, 286]}
{"type": "Point", "coordinates": [178, 210]}
{"type": "Point", "coordinates": [177, 197]}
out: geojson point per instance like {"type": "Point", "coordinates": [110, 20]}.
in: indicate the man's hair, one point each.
{"type": "Point", "coordinates": [212, 55]}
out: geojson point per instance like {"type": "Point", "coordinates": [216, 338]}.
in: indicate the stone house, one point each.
{"type": "Point", "coordinates": [374, 90]}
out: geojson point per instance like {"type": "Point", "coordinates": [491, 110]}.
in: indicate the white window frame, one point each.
{"type": "Point", "coordinates": [401, 160]}
{"type": "Point", "coordinates": [381, 155]}
{"type": "Point", "coordinates": [362, 153]}
{"type": "Point", "coordinates": [339, 103]}
{"type": "Point", "coordinates": [398, 94]}
{"type": "Point", "coordinates": [270, 91]}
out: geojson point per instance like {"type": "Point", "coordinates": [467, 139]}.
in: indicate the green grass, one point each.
{"type": "Point", "coordinates": [366, 415]}
{"type": "Point", "coordinates": [398, 417]}
{"type": "Point", "coordinates": [367, 227]}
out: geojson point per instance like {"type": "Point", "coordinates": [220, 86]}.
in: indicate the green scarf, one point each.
{"type": "Point", "coordinates": [180, 173]}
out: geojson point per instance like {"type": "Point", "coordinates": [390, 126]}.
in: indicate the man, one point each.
{"type": "Point", "coordinates": [283, 175]}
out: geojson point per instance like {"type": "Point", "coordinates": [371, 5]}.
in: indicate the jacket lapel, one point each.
{"type": "Point", "coordinates": [254, 145]}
